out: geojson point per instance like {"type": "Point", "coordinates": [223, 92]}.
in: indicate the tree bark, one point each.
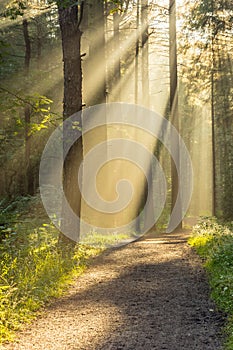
{"type": "Point", "coordinates": [27, 41]}
{"type": "Point", "coordinates": [71, 38]}
{"type": "Point", "coordinates": [136, 56]}
{"type": "Point", "coordinates": [29, 188]}
{"type": "Point", "coordinates": [117, 62]}
{"type": "Point", "coordinates": [72, 103]}
{"type": "Point", "coordinates": [174, 108]}
{"type": "Point", "coordinates": [213, 119]}
{"type": "Point", "coordinates": [39, 42]}
{"type": "Point", "coordinates": [145, 55]}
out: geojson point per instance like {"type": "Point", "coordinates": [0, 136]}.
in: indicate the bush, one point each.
{"type": "Point", "coordinates": [214, 243]}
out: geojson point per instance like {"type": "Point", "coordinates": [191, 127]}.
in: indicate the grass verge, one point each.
{"type": "Point", "coordinates": [33, 269]}
{"type": "Point", "coordinates": [214, 243]}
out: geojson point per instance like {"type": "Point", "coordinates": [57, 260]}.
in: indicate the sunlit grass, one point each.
{"type": "Point", "coordinates": [97, 239]}
{"type": "Point", "coordinates": [214, 243]}
{"type": "Point", "coordinates": [33, 268]}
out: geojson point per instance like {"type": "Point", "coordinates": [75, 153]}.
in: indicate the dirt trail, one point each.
{"type": "Point", "coordinates": [150, 294]}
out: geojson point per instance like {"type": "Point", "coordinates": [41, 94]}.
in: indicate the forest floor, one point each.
{"type": "Point", "coordinates": [150, 294]}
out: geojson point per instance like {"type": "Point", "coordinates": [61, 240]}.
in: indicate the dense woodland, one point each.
{"type": "Point", "coordinates": [61, 57]}
{"type": "Point", "coordinates": [118, 51]}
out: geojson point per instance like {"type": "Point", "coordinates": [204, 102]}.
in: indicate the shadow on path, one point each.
{"type": "Point", "coordinates": [150, 294]}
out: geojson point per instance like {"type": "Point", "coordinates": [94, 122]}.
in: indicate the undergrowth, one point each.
{"type": "Point", "coordinates": [97, 239]}
{"type": "Point", "coordinates": [214, 243]}
{"type": "Point", "coordinates": [33, 269]}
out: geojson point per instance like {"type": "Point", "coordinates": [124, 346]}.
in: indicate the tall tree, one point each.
{"type": "Point", "coordinates": [137, 46]}
{"type": "Point", "coordinates": [71, 43]}
{"type": "Point", "coordinates": [27, 112]}
{"type": "Point", "coordinates": [212, 82]}
{"type": "Point", "coordinates": [13, 11]}
{"type": "Point", "coordinates": [117, 63]}
{"type": "Point", "coordinates": [145, 54]}
{"type": "Point", "coordinates": [214, 204]}
{"type": "Point", "coordinates": [176, 200]}
{"type": "Point", "coordinates": [70, 16]}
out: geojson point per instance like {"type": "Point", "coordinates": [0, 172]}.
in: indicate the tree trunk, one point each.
{"type": "Point", "coordinates": [213, 119]}
{"type": "Point", "coordinates": [148, 188]}
{"type": "Point", "coordinates": [174, 109]}
{"type": "Point", "coordinates": [136, 56]}
{"type": "Point", "coordinates": [39, 42]}
{"type": "Point", "coordinates": [117, 62]}
{"type": "Point", "coordinates": [29, 188]}
{"type": "Point", "coordinates": [27, 41]}
{"type": "Point", "coordinates": [71, 37]}
{"type": "Point", "coordinates": [145, 55]}
{"type": "Point", "coordinates": [72, 103]}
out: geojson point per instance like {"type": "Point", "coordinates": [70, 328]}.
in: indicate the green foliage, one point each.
{"type": "Point", "coordinates": [13, 130]}
{"type": "Point", "coordinates": [214, 242]}
{"type": "Point", "coordinates": [26, 116]}
{"type": "Point", "coordinates": [28, 97]}
{"type": "Point", "coordinates": [117, 6]}
{"type": "Point", "coordinates": [65, 3]}
{"type": "Point", "coordinates": [214, 16]}
{"type": "Point", "coordinates": [4, 47]}
{"type": "Point", "coordinates": [208, 79]}
{"type": "Point", "coordinates": [14, 9]}
{"type": "Point", "coordinates": [32, 269]}
{"type": "Point", "coordinates": [39, 110]}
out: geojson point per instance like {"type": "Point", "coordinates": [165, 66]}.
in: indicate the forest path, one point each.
{"type": "Point", "coordinates": [150, 294]}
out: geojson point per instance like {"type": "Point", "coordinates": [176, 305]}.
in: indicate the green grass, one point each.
{"type": "Point", "coordinates": [97, 239]}
{"type": "Point", "coordinates": [33, 269]}
{"type": "Point", "coordinates": [214, 243]}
